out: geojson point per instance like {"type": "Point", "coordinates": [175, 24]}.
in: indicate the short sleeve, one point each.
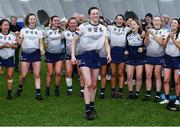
{"type": "Point", "coordinates": [80, 30]}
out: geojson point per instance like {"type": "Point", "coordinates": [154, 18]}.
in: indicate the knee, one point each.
{"type": "Point", "coordinates": [148, 77]}
{"type": "Point", "coordinates": [58, 74]}
{"type": "Point", "coordinates": [166, 81]}
{"type": "Point", "coordinates": [36, 76]}
{"type": "Point", "coordinates": [88, 84]}
{"type": "Point", "coordinates": [69, 73]}
{"type": "Point", "coordinates": [113, 74]}
{"type": "Point", "coordinates": [139, 78]}
{"type": "Point", "coordinates": [129, 77]}
{"type": "Point", "coordinates": [50, 75]}
{"type": "Point", "coordinates": [121, 74]}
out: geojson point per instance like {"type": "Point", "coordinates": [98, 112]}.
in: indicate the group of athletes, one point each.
{"type": "Point", "coordinates": [91, 46]}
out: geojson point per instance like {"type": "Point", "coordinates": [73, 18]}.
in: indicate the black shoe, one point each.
{"type": "Point", "coordinates": [89, 115]}
{"type": "Point", "coordinates": [81, 94]}
{"type": "Point", "coordinates": [157, 99]}
{"type": "Point", "coordinates": [131, 96]}
{"type": "Point", "coordinates": [120, 95]}
{"type": "Point", "coordinates": [94, 113]}
{"type": "Point", "coordinates": [147, 98]}
{"type": "Point", "coordinates": [136, 96]}
{"type": "Point", "coordinates": [39, 97]}
{"type": "Point", "coordinates": [18, 92]}
{"type": "Point", "coordinates": [69, 93]}
{"type": "Point", "coordinates": [47, 93]}
{"type": "Point", "coordinates": [102, 96]}
{"type": "Point", "coordinates": [113, 95]}
{"type": "Point", "coordinates": [57, 93]}
{"type": "Point", "coordinates": [9, 97]}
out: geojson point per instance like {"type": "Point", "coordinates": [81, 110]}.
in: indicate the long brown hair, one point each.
{"type": "Point", "coordinates": [26, 21]}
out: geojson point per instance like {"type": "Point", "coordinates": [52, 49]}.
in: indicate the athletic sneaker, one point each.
{"type": "Point", "coordinates": [130, 96]}
{"type": "Point", "coordinates": [177, 102]}
{"type": "Point", "coordinates": [102, 96]}
{"type": "Point", "coordinates": [89, 115]}
{"type": "Point", "coordinates": [56, 92]}
{"type": "Point", "coordinates": [18, 92]}
{"type": "Point", "coordinates": [69, 93]}
{"type": "Point", "coordinates": [147, 98]}
{"type": "Point", "coordinates": [157, 99]}
{"type": "Point", "coordinates": [9, 97]}
{"type": "Point", "coordinates": [164, 101]}
{"type": "Point", "coordinates": [39, 97]}
{"type": "Point", "coordinates": [113, 94]}
{"type": "Point", "coordinates": [120, 95]}
{"type": "Point", "coordinates": [47, 93]}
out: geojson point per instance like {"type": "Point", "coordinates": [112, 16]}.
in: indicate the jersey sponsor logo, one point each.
{"type": "Point", "coordinates": [68, 34]}
{"type": "Point", "coordinates": [89, 29]}
{"type": "Point", "coordinates": [26, 31]}
{"type": "Point", "coordinates": [36, 33]}
{"type": "Point", "coordinates": [100, 29]}
{"type": "Point", "coordinates": [95, 29]}
{"type": "Point", "coordinates": [9, 38]}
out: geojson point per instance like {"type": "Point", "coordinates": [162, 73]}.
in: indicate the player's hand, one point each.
{"type": "Point", "coordinates": [73, 60]}
{"type": "Point", "coordinates": [140, 50]}
{"type": "Point", "coordinates": [126, 52]}
{"type": "Point", "coordinates": [7, 45]}
{"type": "Point", "coordinates": [109, 58]}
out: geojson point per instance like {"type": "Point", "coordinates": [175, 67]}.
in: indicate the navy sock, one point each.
{"type": "Point", "coordinates": [158, 93]}
{"type": "Point", "coordinates": [9, 92]}
{"type": "Point", "coordinates": [113, 90]}
{"type": "Point", "coordinates": [120, 90]}
{"type": "Point", "coordinates": [148, 93]}
{"type": "Point", "coordinates": [167, 97]}
{"type": "Point", "coordinates": [38, 91]}
{"type": "Point", "coordinates": [87, 106]}
{"type": "Point", "coordinates": [130, 93]}
{"type": "Point", "coordinates": [137, 93]}
{"type": "Point", "coordinates": [91, 105]}
{"type": "Point", "coordinates": [177, 97]}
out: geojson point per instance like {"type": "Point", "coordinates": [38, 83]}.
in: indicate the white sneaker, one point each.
{"type": "Point", "coordinates": [177, 102]}
{"type": "Point", "coordinates": [164, 102]}
{"type": "Point", "coordinates": [108, 77]}
{"type": "Point", "coordinates": [99, 77]}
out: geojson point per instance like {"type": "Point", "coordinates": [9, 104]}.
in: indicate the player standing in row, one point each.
{"type": "Point", "coordinates": [135, 57]}
{"type": "Point", "coordinates": [69, 34]}
{"type": "Point", "coordinates": [31, 40]}
{"type": "Point", "coordinates": [92, 37]}
{"type": "Point", "coordinates": [154, 41]}
{"type": "Point", "coordinates": [8, 44]}
{"type": "Point", "coordinates": [117, 37]}
{"type": "Point", "coordinates": [172, 60]}
{"type": "Point", "coordinates": [54, 52]}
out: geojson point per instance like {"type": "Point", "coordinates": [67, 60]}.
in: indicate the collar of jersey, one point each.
{"type": "Point", "coordinates": [4, 33]}
{"type": "Point", "coordinates": [32, 28]}
{"type": "Point", "coordinates": [93, 24]}
{"type": "Point", "coordinates": [158, 29]}
{"type": "Point", "coordinates": [52, 28]}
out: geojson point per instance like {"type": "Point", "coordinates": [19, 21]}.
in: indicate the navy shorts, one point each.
{"type": "Point", "coordinates": [53, 58]}
{"type": "Point", "coordinates": [103, 60]}
{"type": "Point", "coordinates": [171, 62]}
{"type": "Point", "coordinates": [154, 60]}
{"type": "Point", "coordinates": [135, 62]}
{"type": "Point", "coordinates": [117, 55]}
{"type": "Point", "coordinates": [89, 59]}
{"type": "Point", "coordinates": [7, 62]}
{"type": "Point", "coordinates": [31, 57]}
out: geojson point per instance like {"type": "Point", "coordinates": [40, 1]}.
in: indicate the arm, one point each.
{"type": "Point", "coordinates": [42, 45]}
{"type": "Point", "coordinates": [73, 49]}
{"type": "Point", "coordinates": [146, 39]}
{"type": "Point", "coordinates": [108, 50]}
{"type": "Point", "coordinates": [177, 43]}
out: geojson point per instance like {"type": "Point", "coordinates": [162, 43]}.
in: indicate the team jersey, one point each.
{"type": "Point", "coordinates": [92, 37]}
{"type": "Point", "coordinates": [117, 35]}
{"type": "Point", "coordinates": [68, 35]}
{"type": "Point", "coordinates": [154, 49]}
{"type": "Point", "coordinates": [53, 40]}
{"type": "Point", "coordinates": [172, 49]}
{"type": "Point", "coordinates": [134, 42]}
{"type": "Point", "coordinates": [10, 38]}
{"type": "Point", "coordinates": [31, 39]}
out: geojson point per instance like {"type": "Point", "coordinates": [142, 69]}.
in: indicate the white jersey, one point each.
{"type": "Point", "coordinates": [68, 35]}
{"type": "Point", "coordinates": [6, 53]}
{"type": "Point", "coordinates": [172, 49]}
{"type": "Point", "coordinates": [117, 35]}
{"type": "Point", "coordinates": [92, 37]}
{"type": "Point", "coordinates": [53, 40]}
{"type": "Point", "coordinates": [153, 47]}
{"type": "Point", "coordinates": [31, 39]}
